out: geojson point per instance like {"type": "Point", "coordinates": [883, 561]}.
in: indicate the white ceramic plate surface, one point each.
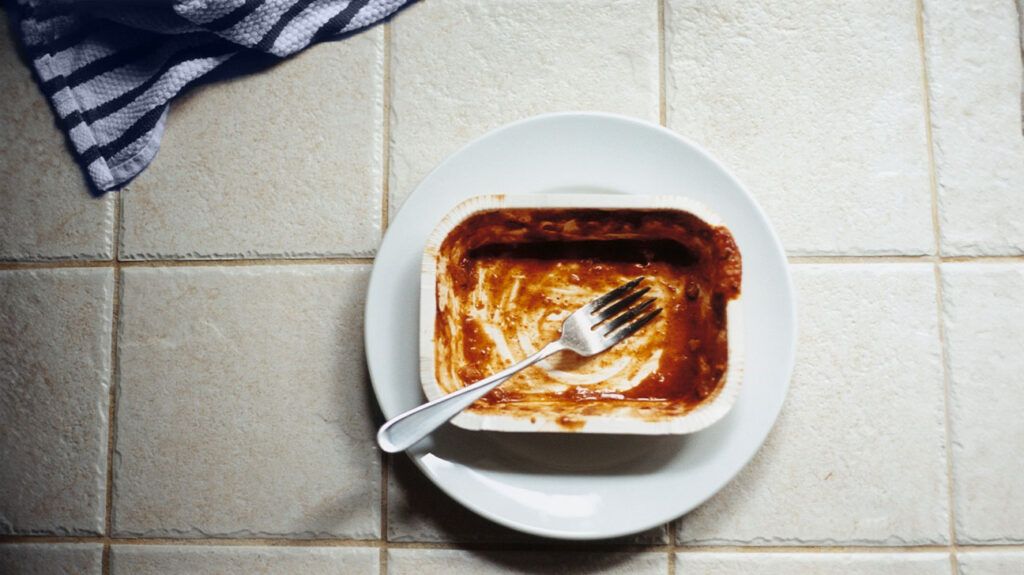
{"type": "Point", "coordinates": [583, 486]}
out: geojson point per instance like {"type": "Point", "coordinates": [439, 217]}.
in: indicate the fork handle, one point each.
{"type": "Point", "coordinates": [403, 431]}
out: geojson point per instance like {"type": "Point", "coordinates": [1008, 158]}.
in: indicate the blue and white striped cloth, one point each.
{"type": "Point", "coordinates": [111, 67]}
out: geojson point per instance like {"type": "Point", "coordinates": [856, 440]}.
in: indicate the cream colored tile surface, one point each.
{"type": "Point", "coordinates": [974, 74]}
{"type": "Point", "coordinates": [461, 68]}
{"type": "Point", "coordinates": [818, 108]}
{"type": "Point", "coordinates": [457, 562]}
{"type": "Point", "coordinates": [813, 563]}
{"type": "Point", "coordinates": [984, 318]}
{"type": "Point", "coordinates": [243, 410]}
{"type": "Point", "coordinates": [991, 563]}
{"type": "Point", "coordinates": [217, 560]}
{"type": "Point", "coordinates": [59, 559]}
{"type": "Point", "coordinates": [419, 511]}
{"type": "Point", "coordinates": [284, 162]}
{"type": "Point", "coordinates": [858, 455]}
{"type": "Point", "coordinates": [55, 328]}
{"type": "Point", "coordinates": [46, 210]}
{"type": "Point", "coordinates": [243, 405]}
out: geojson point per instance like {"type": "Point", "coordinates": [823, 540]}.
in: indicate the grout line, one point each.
{"type": "Point", "coordinates": [386, 133]}
{"type": "Point", "coordinates": [554, 546]}
{"type": "Point", "coordinates": [926, 91]}
{"type": "Point", "coordinates": [992, 547]}
{"type": "Point", "coordinates": [226, 262]}
{"type": "Point", "coordinates": [385, 465]}
{"type": "Point", "coordinates": [933, 185]}
{"type": "Point", "coordinates": [981, 259]}
{"type": "Point", "coordinates": [868, 549]}
{"type": "Point", "coordinates": [662, 113]}
{"type": "Point", "coordinates": [256, 542]}
{"type": "Point", "coordinates": [673, 544]}
{"type": "Point", "coordinates": [105, 560]}
{"type": "Point", "coordinates": [947, 404]}
{"type": "Point", "coordinates": [795, 259]}
{"type": "Point", "coordinates": [563, 546]}
{"type": "Point", "coordinates": [115, 372]}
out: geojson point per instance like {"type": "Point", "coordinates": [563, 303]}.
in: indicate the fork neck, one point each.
{"type": "Point", "coordinates": [547, 351]}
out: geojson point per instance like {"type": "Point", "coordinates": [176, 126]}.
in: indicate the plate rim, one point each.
{"type": "Point", "coordinates": [788, 362]}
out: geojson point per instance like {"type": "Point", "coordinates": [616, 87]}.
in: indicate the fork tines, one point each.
{"type": "Point", "coordinates": [614, 312]}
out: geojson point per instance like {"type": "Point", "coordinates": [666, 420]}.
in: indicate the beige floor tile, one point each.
{"type": "Point", "coordinates": [243, 404]}
{"type": "Point", "coordinates": [51, 559]}
{"type": "Point", "coordinates": [991, 562]}
{"type": "Point", "coordinates": [818, 108]}
{"type": "Point", "coordinates": [974, 78]}
{"type": "Point", "coordinates": [286, 162]}
{"type": "Point", "coordinates": [814, 563]}
{"type": "Point", "coordinates": [55, 332]}
{"type": "Point", "coordinates": [983, 308]}
{"type": "Point", "coordinates": [248, 560]}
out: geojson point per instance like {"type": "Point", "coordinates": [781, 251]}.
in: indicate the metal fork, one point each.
{"type": "Point", "coordinates": [591, 329]}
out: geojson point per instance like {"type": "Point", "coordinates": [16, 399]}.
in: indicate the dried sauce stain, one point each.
{"type": "Point", "coordinates": [536, 262]}
{"type": "Point", "coordinates": [570, 423]}
{"type": "Point", "coordinates": [476, 348]}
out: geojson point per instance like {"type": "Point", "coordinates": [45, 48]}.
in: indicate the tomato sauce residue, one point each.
{"type": "Point", "coordinates": [507, 278]}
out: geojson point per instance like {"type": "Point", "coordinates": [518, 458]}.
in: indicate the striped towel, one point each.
{"type": "Point", "coordinates": [111, 67]}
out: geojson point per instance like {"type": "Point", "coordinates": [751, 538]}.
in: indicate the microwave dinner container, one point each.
{"type": "Point", "coordinates": [500, 273]}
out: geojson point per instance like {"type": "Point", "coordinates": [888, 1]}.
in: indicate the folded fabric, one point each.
{"type": "Point", "coordinates": [111, 67]}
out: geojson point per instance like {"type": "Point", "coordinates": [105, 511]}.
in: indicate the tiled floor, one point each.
{"type": "Point", "coordinates": [182, 382]}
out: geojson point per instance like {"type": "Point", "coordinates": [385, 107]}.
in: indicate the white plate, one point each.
{"type": "Point", "coordinates": [576, 486]}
